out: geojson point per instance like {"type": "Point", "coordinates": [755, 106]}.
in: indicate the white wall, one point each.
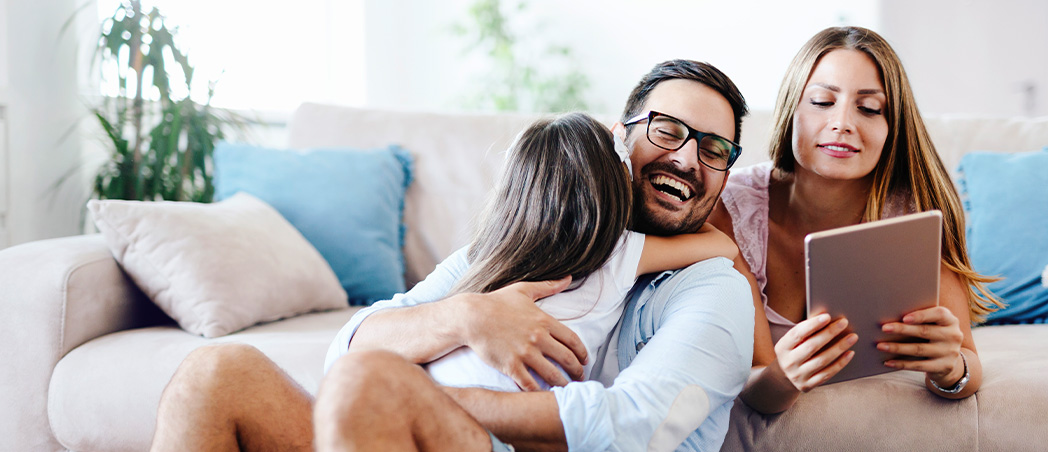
{"type": "Point", "coordinates": [973, 57]}
{"type": "Point", "coordinates": [3, 129]}
{"type": "Point", "coordinates": [413, 62]}
{"type": "Point", "coordinates": [39, 85]}
{"type": "Point", "coordinates": [965, 57]}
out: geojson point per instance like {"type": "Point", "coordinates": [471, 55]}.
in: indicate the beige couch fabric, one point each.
{"type": "Point", "coordinates": [894, 412]}
{"type": "Point", "coordinates": [104, 395]}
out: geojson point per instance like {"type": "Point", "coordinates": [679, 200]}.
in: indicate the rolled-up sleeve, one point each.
{"type": "Point", "coordinates": [435, 287]}
{"type": "Point", "coordinates": [680, 387]}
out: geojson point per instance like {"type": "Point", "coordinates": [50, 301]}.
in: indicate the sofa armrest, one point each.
{"type": "Point", "coordinates": [55, 295]}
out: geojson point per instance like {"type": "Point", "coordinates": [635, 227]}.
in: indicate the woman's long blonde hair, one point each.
{"type": "Point", "coordinates": [560, 208]}
{"type": "Point", "coordinates": [908, 163]}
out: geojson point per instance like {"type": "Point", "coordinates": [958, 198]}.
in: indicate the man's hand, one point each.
{"type": "Point", "coordinates": [510, 333]}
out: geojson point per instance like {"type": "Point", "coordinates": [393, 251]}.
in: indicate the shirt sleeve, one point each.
{"type": "Point", "coordinates": [435, 287]}
{"type": "Point", "coordinates": [686, 376]}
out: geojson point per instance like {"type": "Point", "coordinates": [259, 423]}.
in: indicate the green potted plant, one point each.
{"type": "Point", "coordinates": [161, 142]}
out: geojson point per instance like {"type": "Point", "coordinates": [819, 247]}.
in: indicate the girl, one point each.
{"type": "Point", "coordinates": [561, 208]}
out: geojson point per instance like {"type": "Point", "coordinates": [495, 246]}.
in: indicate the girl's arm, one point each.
{"type": "Point", "coordinates": [679, 251]}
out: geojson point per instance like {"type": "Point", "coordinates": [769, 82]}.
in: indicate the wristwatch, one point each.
{"type": "Point", "coordinates": [957, 387]}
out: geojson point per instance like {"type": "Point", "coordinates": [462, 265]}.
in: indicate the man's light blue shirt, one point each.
{"type": "Point", "coordinates": [667, 377]}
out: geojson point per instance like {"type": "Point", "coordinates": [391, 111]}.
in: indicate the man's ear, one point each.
{"type": "Point", "coordinates": [619, 130]}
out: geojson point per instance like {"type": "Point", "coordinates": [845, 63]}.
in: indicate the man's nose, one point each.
{"type": "Point", "coordinates": [687, 157]}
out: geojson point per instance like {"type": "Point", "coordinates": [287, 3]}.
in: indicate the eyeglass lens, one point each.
{"type": "Point", "coordinates": [670, 134]}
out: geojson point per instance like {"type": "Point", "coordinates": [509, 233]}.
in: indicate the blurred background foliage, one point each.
{"type": "Point", "coordinates": [523, 72]}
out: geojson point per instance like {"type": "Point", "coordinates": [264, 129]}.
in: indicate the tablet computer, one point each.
{"type": "Point", "coordinates": [874, 273]}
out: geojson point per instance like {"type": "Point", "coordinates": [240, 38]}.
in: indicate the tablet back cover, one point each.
{"type": "Point", "coordinates": [874, 273]}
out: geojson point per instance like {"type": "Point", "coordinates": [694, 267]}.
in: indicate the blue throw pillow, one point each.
{"type": "Point", "coordinates": [347, 203]}
{"type": "Point", "coordinates": [1007, 205]}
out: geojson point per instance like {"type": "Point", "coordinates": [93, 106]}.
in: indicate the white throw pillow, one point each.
{"type": "Point", "coordinates": [218, 268]}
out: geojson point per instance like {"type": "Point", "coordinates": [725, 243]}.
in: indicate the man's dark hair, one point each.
{"type": "Point", "coordinates": [688, 70]}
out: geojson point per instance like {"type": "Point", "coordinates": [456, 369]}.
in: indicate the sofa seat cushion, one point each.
{"type": "Point", "coordinates": [104, 394]}
{"type": "Point", "coordinates": [880, 412]}
{"type": "Point", "coordinates": [1013, 399]}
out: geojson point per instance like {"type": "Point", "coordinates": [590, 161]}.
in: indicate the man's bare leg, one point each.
{"type": "Point", "coordinates": [230, 398]}
{"type": "Point", "coordinates": [377, 400]}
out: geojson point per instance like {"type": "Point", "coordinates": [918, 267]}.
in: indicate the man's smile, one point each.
{"type": "Point", "coordinates": [671, 186]}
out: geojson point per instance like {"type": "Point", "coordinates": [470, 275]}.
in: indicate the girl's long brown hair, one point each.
{"type": "Point", "coordinates": [908, 163]}
{"type": "Point", "coordinates": [559, 209]}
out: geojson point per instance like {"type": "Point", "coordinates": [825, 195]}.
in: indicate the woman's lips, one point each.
{"type": "Point", "coordinates": [838, 150]}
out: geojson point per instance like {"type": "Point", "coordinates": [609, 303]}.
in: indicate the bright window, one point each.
{"type": "Point", "coordinates": [268, 54]}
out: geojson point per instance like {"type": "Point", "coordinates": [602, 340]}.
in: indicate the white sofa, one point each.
{"type": "Point", "coordinates": [86, 355]}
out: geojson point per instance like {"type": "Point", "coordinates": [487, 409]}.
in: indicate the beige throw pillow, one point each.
{"type": "Point", "coordinates": [218, 268]}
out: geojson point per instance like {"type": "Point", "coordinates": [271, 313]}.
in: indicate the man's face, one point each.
{"type": "Point", "coordinates": [672, 192]}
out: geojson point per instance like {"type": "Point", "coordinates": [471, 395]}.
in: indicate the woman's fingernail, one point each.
{"type": "Point", "coordinates": [908, 319]}
{"type": "Point", "coordinates": [882, 347]}
{"type": "Point", "coordinates": [889, 363]}
{"type": "Point", "coordinates": [888, 328]}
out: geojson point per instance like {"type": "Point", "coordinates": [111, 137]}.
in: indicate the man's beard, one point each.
{"type": "Point", "coordinates": [649, 218]}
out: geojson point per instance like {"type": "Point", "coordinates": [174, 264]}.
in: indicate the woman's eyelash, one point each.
{"type": "Point", "coordinates": [827, 103]}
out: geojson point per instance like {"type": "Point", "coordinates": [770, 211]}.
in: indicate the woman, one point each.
{"type": "Point", "coordinates": [848, 146]}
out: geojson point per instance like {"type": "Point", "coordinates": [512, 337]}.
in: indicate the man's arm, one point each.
{"type": "Point", "coordinates": [528, 420]}
{"type": "Point", "coordinates": [504, 327]}
{"type": "Point", "coordinates": [692, 368]}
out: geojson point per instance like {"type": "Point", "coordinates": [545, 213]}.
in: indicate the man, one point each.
{"type": "Point", "coordinates": [666, 378]}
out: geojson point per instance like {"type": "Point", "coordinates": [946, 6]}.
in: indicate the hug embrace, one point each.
{"type": "Point", "coordinates": [626, 285]}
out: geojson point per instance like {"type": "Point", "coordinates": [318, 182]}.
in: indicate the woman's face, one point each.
{"type": "Point", "coordinates": [839, 127]}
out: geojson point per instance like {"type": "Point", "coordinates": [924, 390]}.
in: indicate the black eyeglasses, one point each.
{"type": "Point", "coordinates": [669, 133]}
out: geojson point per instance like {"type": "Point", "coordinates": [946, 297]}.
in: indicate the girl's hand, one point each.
{"type": "Point", "coordinates": [811, 352]}
{"type": "Point", "coordinates": [940, 357]}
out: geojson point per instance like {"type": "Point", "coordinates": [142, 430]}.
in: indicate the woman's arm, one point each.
{"type": "Point", "coordinates": [679, 251]}
{"type": "Point", "coordinates": [770, 389]}
{"type": "Point", "coordinates": [948, 330]}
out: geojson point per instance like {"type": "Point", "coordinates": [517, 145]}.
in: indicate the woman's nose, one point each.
{"type": "Point", "coordinates": [842, 121]}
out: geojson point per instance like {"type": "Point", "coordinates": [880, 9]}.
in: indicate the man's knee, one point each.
{"type": "Point", "coordinates": [374, 368]}
{"type": "Point", "coordinates": [211, 367]}
{"type": "Point", "coordinates": [369, 378]}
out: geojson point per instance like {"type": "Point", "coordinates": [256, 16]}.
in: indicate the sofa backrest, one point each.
{"type": "Point", "coordinates": [458, 157]}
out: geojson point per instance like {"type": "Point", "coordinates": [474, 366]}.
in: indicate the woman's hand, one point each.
{"type": "Point", "coordinates": [940, 356]}
{"type": "Point", "coordinates": [510, 333]}
{"type": "Point", "coordinates": [811, 352]}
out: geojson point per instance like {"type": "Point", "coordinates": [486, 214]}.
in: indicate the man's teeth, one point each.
{"type": "Point", "coordinates": [839, 148]}
{"type": "Point", "coordinates": [684, 191]}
